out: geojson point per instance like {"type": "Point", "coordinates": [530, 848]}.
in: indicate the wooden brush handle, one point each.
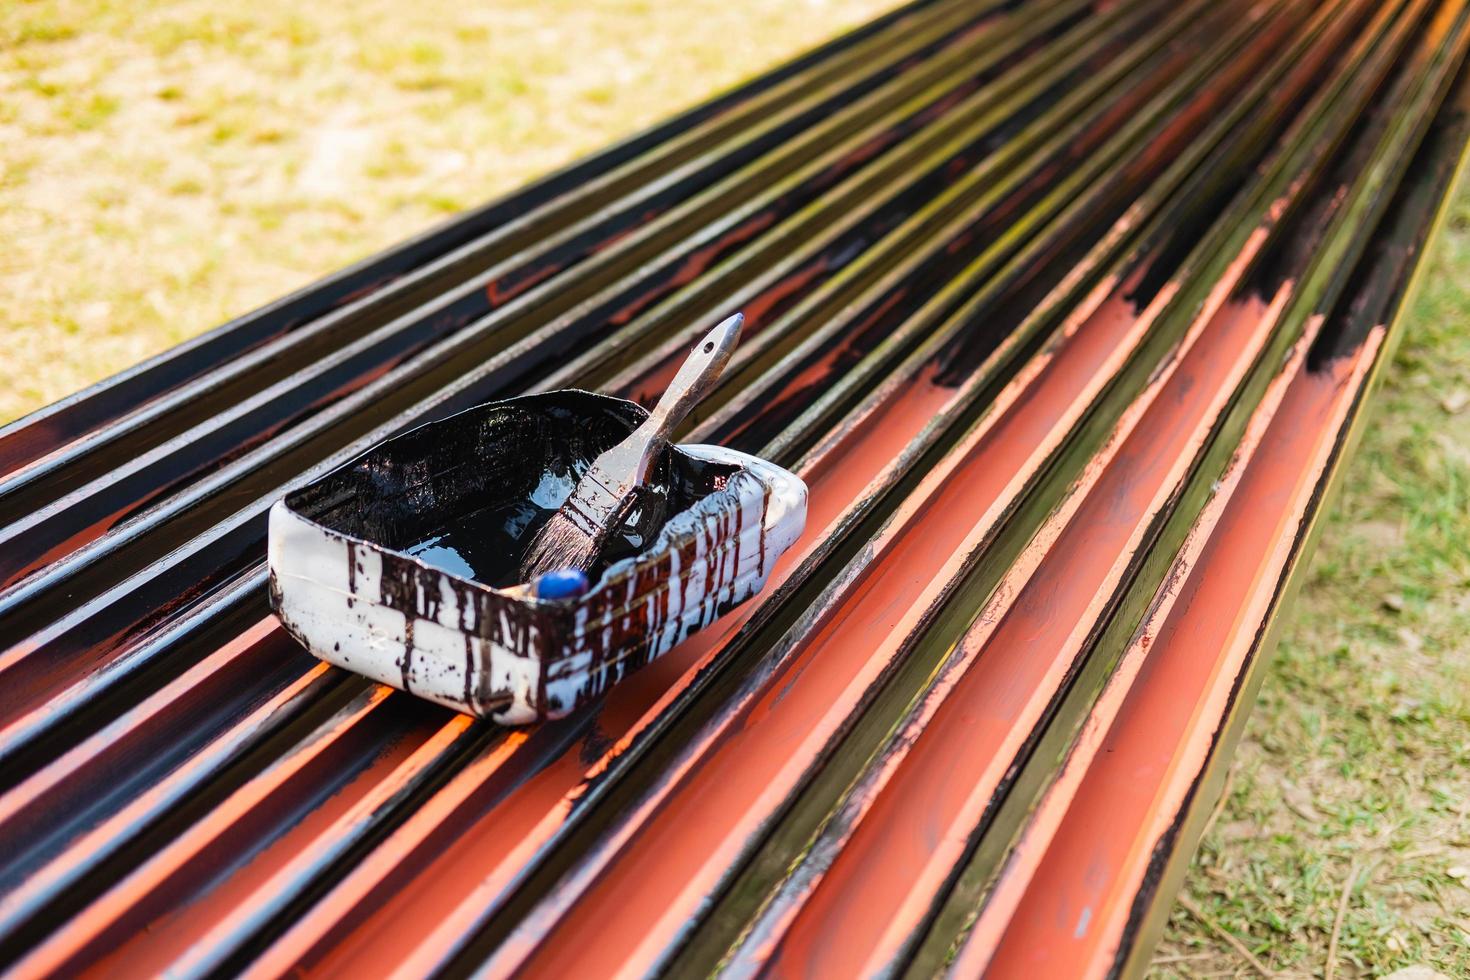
{"type": "Point", "coordinates": [694, 380]}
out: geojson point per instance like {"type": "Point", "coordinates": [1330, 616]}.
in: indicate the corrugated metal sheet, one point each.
{"type": "Point", "coordinates": [1065, 311]}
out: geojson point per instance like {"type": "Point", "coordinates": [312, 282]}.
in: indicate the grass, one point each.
{"type": "Point", "coordinates": [165, 167]}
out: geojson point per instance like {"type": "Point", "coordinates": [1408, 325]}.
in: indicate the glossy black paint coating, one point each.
{"type": "Point", "coordinates": [466, 494]}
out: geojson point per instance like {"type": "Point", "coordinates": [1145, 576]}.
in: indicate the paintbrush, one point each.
{"type": "Point", "coordinates": [609, 491]}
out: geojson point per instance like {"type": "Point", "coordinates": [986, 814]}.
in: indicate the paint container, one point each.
{"type": "Point", "coordinates": [400, 564]}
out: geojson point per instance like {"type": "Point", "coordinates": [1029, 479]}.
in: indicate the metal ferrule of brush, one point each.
{"type": "Point", "coordinates": [591, 504]}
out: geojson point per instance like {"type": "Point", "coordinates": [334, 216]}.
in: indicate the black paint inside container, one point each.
{"type": "Point", "coordinates": [468, 493]}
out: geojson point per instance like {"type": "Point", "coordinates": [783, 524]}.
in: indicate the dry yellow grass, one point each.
{"type": "Point", "coordinates": [164, 167]}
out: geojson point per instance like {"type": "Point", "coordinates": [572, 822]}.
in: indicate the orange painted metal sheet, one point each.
{"type": "Point", "coordinates": [1065, 311]}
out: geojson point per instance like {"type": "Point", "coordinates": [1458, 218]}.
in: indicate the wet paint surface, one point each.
{"type": "Point", "coordinates": [472, 504]}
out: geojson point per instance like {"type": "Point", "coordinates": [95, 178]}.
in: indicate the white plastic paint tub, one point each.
{"type": "Point", "coordinates": [357, 577]}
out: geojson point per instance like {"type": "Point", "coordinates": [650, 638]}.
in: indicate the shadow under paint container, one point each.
{"type": "Point", "coordinates": [401, 564]}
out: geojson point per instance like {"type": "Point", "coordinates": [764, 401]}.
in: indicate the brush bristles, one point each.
{"type": "Point", "coordinates": [560, 544]}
